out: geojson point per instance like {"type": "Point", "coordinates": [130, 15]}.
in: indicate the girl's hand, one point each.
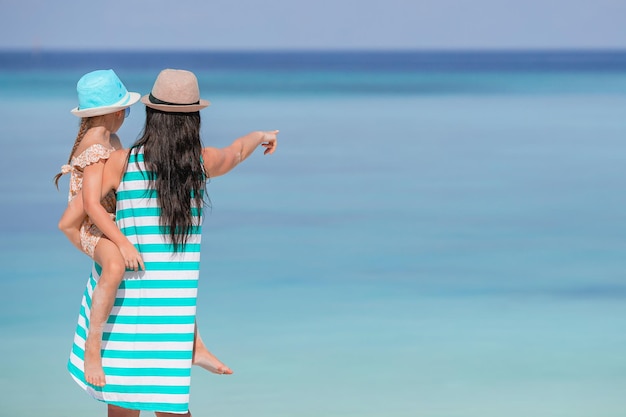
{"type": "Point", "coordinates": [269, 141]}
{"type": "Point", "coordinates": [132, 258]}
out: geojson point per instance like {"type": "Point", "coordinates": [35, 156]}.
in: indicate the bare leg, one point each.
{"type": "Point", "coordinates": [108, 256]}
{"type": "Point", "coordinates": [205, 359]}
{"type": "Point", "coordinates": [115, 411]}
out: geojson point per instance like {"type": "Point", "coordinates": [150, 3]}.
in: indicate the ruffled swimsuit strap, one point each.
{"type": "Point", "coordinates": [89, 156]}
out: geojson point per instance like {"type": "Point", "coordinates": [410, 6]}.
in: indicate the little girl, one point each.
{"type": "Point", "coordinates": [104, 103]}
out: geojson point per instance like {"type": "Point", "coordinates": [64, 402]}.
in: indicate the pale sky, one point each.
{"type": "Point", "coordinates": [314, 24]}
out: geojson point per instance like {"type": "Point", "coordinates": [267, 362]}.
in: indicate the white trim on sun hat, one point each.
{"type": "Point", "coordinates": [101, 92]}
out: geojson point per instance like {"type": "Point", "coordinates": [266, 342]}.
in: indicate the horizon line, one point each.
{"type": "Point", "coordinates": [314, 50]}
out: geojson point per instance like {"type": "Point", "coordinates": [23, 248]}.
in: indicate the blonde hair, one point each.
{"type": "Point", "coordinates": [82, 130]}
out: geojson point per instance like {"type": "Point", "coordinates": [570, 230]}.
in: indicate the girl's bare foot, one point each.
{"type": "Point", "coordinates": [205, 359]}
{"type": "Point", "coordinates": [94, 374]}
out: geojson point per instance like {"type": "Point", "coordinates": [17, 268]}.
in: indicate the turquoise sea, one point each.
{"type": "Point", "coordinates": [437, 235]}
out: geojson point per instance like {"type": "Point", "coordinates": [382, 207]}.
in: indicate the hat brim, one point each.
{"type": "Point", "coordinates": [173, 108]}
{"type": "Point", "coordinates": [99, 111]}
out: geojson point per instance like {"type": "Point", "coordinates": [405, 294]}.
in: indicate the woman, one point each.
{"type": "Point", "coordinates": [160, 182]}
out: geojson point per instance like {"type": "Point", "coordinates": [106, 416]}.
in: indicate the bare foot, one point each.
{"type": "Point", "coordinates": [205, 359]}
{"type": "Point", "coordinates": [94, 374]}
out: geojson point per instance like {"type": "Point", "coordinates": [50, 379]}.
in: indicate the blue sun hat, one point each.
{"type": "Point", "coordinates": [101, 92]}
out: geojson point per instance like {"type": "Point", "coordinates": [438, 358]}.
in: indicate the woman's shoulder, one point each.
{"type": "Point", "coordinates": [118, 156]}
{"type": "Point", "coordinates": [209, 156]}
{"type": "Point", "coordinates": [209, 152]}
{"type": "Point", "coordinates": [121, 153]}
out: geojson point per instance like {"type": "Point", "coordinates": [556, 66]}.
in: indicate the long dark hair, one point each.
{"type": "Point", "coordinates": [172, 150]}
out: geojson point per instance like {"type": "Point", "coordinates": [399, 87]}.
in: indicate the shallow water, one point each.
{"type": "Point", "coordinates": [443, 251]}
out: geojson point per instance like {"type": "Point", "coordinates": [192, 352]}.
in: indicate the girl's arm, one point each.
{"type": "Point", "coordinates": [113, 171]}
{"type": "Point", "coordinates": [92, 194]}
{"type": "Point", "coordinates": [220, 161]}
{"type": "Point", "coordinates": [71, 220]}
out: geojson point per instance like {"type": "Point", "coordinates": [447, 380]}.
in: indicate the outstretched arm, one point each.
{"type": "Point", "coordinates": [218, 161]}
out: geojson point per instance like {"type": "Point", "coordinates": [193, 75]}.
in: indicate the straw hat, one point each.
{"type": "Point", "coordinates": [175, 91]}
{"type": "Point", "coordinates": [101, 92]}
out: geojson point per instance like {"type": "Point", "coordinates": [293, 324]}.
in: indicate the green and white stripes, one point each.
{"type": "Point", "coordinates": [148, 338]}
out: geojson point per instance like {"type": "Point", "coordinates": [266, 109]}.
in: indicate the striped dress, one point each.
{"type": "Point", "coordinates": [148, 340]}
